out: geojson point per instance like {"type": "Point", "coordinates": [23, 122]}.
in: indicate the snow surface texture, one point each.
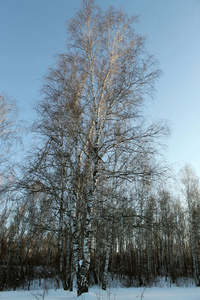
{"type": "Point", "coordinates": [154, 293]}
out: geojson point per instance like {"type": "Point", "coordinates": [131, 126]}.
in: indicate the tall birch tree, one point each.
{"type": "Point", "coordinates": [96, 90]}
{"type": "Point", "coordinates": [118, 76]}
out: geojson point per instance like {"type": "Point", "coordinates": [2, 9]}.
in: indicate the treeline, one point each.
{"type": "Point", "coordinates": [87, 200]}
{"type": "Point", "coordinates": [135, 238]}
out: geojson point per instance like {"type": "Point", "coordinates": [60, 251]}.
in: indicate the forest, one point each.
{"type": "Point", "coordinates": [94, 197]}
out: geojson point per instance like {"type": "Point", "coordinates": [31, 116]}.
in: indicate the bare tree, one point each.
{"type": "Point", "coordinates": [92, 128]}
{"type": "Point", "coordinates": [8, 129]}
{"type": "Point", "coordinates": [9, 136]}
{"type": "Point", "coordinates": [118, 75]}
{"type": "Point", "coordinates": [192, 196]}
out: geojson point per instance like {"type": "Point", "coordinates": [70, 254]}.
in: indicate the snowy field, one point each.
{"type": "Point", "coordinates": [154, 293]}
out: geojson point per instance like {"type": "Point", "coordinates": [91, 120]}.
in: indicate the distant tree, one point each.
{"type": "Point", "coordinates": [180, 236]}
{"type": "Point", "coordinates": [191, 193]}
{"type": "Point", "coordinates": [9, 136]}
{"type": "Point", "coordinates": [8, 130]}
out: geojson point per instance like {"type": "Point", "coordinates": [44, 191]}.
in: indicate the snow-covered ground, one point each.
{"type": "Point", "coordinates": [154, 293]}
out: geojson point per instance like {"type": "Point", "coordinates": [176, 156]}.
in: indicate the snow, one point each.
{"type": "Point", "coordinates": [95, 293]}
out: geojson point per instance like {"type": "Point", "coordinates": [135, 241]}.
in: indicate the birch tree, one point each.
{"type": "Point", "coordinates": [95, 93]}
{"type": "Point", "coordinates": [8, 130]}
{"type": "Point", "coordinates": [192, 196]}
{"type": "Point", "coordinates": [118, 75]}
{"type": "Point", "coordinates": [8, 136]}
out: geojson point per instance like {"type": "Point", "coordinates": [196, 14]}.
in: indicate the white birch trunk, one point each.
{"type": "Point", "coordinates": [105, 273]}
{"type": "Point", "coordinates": [193, 247]}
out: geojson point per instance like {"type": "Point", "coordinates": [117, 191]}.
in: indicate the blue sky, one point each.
{"type": "Point", "coordinates": [32, 32]}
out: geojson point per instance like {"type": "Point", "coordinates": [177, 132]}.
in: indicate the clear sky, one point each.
{"type": "Point", "coordinates": [32, 32]}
